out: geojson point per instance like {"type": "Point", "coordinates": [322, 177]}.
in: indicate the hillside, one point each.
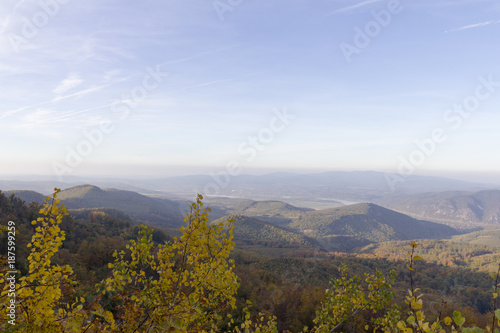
{"type": "Point", "coordinates": [27, 196]}
{"type": "Point", "coordinates": [252, 231]}
{"type": "Point", "coordinates": [156, 211]}
{"type": "Point", "coordinates": [276, 212]}
{"type": "Point", "coordinates": [368, 222]}
{"type": "Point", "coordinates": [445, 253]}
{"type": "Point", "coordinates": [489, 236]}
{"type": "Point", "coordinates": [454, 207]}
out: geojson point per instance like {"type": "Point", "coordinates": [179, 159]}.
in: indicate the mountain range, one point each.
{"type": "Point", "coordinates": [338, 228]}
{"type": "Point", "coordinates": [353, 186]}
{"type": "Point", "coordinates": [156, 211]}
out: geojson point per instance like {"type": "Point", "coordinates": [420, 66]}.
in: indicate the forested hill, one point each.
{"type": "Point", "coordinates": [142, 208]}
{"type": "Point", "coordinates": [252, 231]}
{"type": "Point", "coordinates": [453, 207]}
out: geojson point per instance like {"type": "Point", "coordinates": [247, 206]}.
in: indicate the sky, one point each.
{"type": "Point", "coordinates": [157, 88]}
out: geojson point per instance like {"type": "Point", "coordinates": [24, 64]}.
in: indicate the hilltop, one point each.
{"type": "Point", "coordinates": [27, 196]}
{"type": "Point", "coordinates": [341, 228]}
{"type": "Point", "coordinates": [157, 211]}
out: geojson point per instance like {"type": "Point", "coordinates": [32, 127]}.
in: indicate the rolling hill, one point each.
{"type": "Point", "coordinates": [27, 196]}
{"type": "Point", "coordinates": [453, 207]}
{"type": "Point", "coordinates": [161, 212]}
{"type": "Point", "coordinates": [342, 228]}
{"type": "Point", "coordinates": [367, 222]}
{"type": "Point", "coordinates": [276, 212]}
{"type": "Point", "coordinates": [256, 231]}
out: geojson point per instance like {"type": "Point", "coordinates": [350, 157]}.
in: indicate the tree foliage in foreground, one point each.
{"type": "Point", "coordinates": [188, 285]}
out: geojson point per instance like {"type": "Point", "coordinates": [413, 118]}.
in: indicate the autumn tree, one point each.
{"type": "Point", "coordinates": [183, 286]}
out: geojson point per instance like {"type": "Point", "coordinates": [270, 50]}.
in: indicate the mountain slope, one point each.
{"type": "Point", "coordinates": [251, 228]}
{"type": "Point", "coordinates": [140, 207]}
{"type": "Point", "coordinates": [27, 196]}
{"type": "Point", "coordinates": [276, 212]}
{"type": "Point", "coordinates": [460, 207]}
{"type": "Point", "coordinates": [367, 221]}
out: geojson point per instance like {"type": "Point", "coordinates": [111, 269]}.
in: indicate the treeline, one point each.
{"type": "Point", "coordinates": [91, 236]}
{"type": "Point", "coordinates": [445, 253]}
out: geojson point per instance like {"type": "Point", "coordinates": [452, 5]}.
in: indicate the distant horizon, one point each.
{"type": "Point", "coordinates": [492, 179]}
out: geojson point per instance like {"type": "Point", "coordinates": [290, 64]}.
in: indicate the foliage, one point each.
{"type": "Point", "coordinates": [46, 300]}
{"type": "Point", "coordinates": [188, 284]}
{"type": "Point", "coordinates": [185, 285]}
{"type": "Point", "coordinates": [348, 297]}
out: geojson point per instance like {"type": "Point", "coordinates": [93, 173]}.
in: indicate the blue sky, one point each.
{"type": "Point", "coordinates": [223, 71]}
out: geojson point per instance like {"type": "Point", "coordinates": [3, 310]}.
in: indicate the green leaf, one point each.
{"type": "Point", "coordinates": [418, 258]}
{"type": "Point", "coordinates": [493, 275]}
{"type": "Point", "coordinates": [458, 319]}
{"type": "Point", "coordinates": [497, 314]}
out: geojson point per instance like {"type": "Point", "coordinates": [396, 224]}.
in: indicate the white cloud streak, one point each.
{"type": "Point", "coordinates": [352, 7]}
{"type": "Point", "coordinates": [472, 26]}
{"type": "Point", "coordinates": [73, 80]}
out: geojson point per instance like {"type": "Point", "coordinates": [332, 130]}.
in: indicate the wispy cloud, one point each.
{"type": "Point", "coordinates": [86, 91]}
{"type": "Point", "coordinates": [472, 26]}
{"type": "Point", "coordinates": [59, 98]}
{"type": "Point", "coordinates": [352, 7]}
{"type": "Point", "coordinates": [204, 54]}
{"type": "Point", "coordinates": [40, 122]}
{"type": "Point", "coordinates": [73, 80]}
